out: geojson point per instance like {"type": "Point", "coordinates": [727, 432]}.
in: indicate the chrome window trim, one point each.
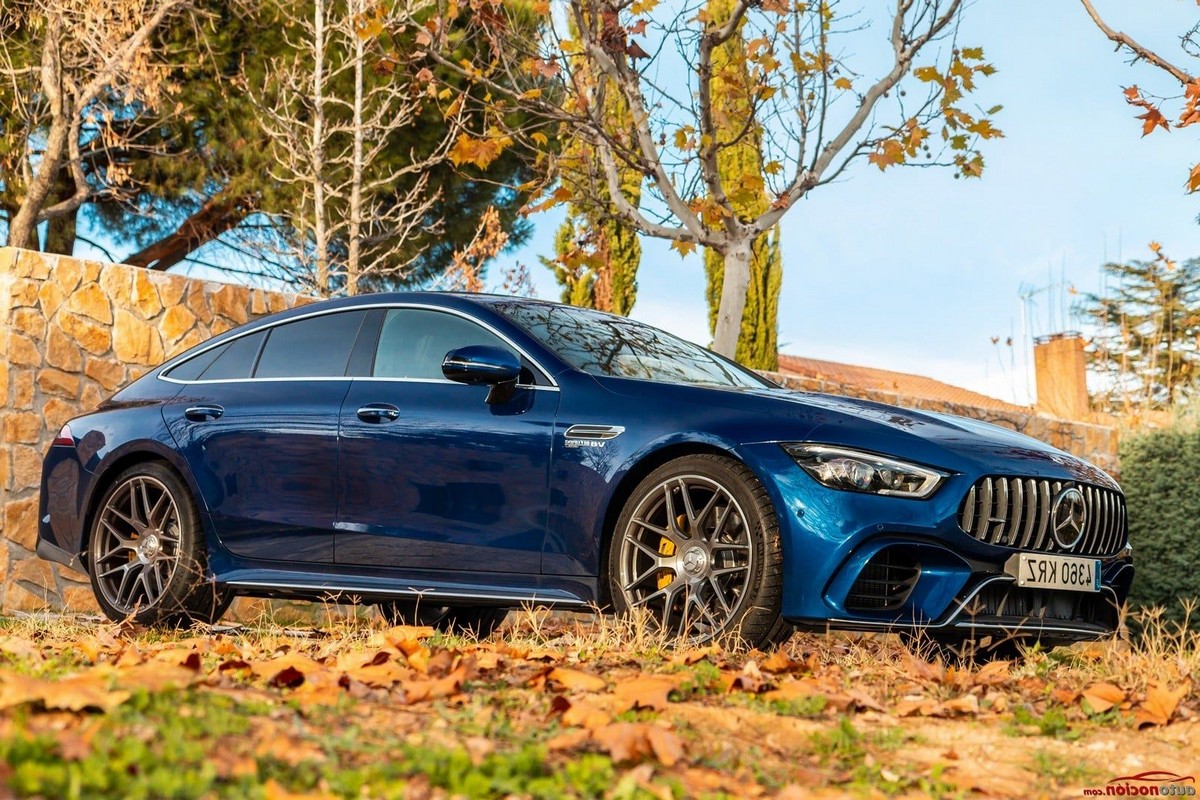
{"type": "Point", "coordinates": [419, 306]}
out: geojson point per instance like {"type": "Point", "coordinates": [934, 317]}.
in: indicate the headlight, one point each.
{"type": "Point", "coordinates": [856, 471]}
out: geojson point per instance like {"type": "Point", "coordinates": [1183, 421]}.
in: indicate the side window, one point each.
{"type": "Point", "coordinates": [236, 359]}
{"type": "Point", "coordinates": [414, 341]}
{"type": "Point", "coordinates": [317, 347]}
{"type": "Point", "coordinates": [191, 369]}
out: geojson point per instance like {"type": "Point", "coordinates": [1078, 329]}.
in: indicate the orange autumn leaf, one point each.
{"type": "Point", "coordinates": [646, 691]}
{"type": "Point", "coordinates": [1100, 697]}
{"type": "Point", "coordinates": [1160, 704]}
{"type": "Point", "coordinates": [1153, 118]}
{"type": "Point", "coordinates": [575, 680]}
{"type": "Point", "coordinates": [637, 741]}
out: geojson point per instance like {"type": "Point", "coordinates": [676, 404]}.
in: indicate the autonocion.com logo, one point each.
{"type": "Point", "coordinates": [1155, 783]}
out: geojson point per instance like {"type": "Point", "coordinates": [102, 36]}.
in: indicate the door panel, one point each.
{"type": "Point", "coordinates": [450, 483]}
{"type": "Point", "coordinates": [267, 465]}
{"type": "Point", "coordinates": [258, 425]}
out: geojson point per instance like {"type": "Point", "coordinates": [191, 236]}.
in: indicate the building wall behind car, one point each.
{"type": "Point", "coordinates": [72, 332]}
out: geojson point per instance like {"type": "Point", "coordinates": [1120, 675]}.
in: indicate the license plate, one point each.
{"type": "Point", "coordinates": [1055, 572]}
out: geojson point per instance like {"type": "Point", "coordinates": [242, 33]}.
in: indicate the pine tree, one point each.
{"type": "Point", "coordinates": [741, 167]}
{"type": "Point", "coordinates": [1147, 340]}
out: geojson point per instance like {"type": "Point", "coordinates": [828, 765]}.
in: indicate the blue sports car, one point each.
{"type": "Point", "coordinates": [450, 456]}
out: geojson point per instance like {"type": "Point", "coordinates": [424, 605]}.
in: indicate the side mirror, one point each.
{"type": "Point", "coordinates": [484, 365]}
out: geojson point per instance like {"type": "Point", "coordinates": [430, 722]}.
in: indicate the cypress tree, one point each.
{"type": "Point", "coordinates": [596, 255]}
{"type": "Point", "coordinates": [741, 167]}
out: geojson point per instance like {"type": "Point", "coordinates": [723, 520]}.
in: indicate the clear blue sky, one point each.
{"type": "Point", "coordinates": [915, 271]}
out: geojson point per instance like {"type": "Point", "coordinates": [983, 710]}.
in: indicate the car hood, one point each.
{"type": "Point", "coordinates": [945, 441]}
{"type": "Point", "coordinates": [957, 442]}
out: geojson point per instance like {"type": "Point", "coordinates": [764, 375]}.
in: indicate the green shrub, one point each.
{"type": "Point", "coordinates": [1160, 473]}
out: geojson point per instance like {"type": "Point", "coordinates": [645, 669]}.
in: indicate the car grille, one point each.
{"type": "Point", "coordinates": [885, 582]}
{"type": "Point", "coordinates": [1015, 512]}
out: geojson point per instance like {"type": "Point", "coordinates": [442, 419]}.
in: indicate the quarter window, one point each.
{"type": "Point", "coordinates": [191, 369]}
{"type": "Point", "coordinates": [317, 347]}
{"type": "Point", "coordinates": [236, 360]}
{"type": "Point", "coordinates": [413, 342]}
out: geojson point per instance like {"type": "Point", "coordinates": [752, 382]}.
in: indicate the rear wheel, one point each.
{"type": "Point", "coordinates": [480, 622]}
{"type": "Point", "coordinates": [697, 547]}
{"type": "Point", "coordinates": [147, 555]}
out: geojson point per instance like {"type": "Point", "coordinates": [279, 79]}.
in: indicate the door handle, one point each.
{"type": "Point", "coordinates": [203, 413]}
{"type": "Point", "coordinates": [378, 412]}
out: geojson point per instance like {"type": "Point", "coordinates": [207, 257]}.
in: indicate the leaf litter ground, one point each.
{"type": "Point", "coordinates": [573, 706]}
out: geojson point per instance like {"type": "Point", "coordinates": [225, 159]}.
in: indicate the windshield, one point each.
{"type": "Point", "coordinates": [616, 347]}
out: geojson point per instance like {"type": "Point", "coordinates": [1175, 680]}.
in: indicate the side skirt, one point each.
{"type": "Point", "coordinates": [458, 588]}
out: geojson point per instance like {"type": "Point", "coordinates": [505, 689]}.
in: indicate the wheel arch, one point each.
{"type": "Point", "coordinates": [116, 463]}
{"type": "Point", "coordinates": [635, 474]}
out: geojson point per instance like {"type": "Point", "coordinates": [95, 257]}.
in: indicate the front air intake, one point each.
{"type": "Point", "coordinates": [885, 582]}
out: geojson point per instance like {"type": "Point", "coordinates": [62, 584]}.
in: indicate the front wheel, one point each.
{"type": "Point", "coordinates": [146, 552]}
{"type": "Point", "coordinates": [697, 547]}
{"type": "Point", "coordinates": [480, 622]}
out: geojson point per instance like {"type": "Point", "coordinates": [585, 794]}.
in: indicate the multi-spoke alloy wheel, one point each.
{"type": "Point", "coordinates": [697, 547]}
{"type": "Point", "coordinates": [137, 549]}
{"type": "Point", "coordinates": [146, 556]}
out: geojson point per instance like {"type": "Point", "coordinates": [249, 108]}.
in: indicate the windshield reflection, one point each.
{"type": "Point", "coordinates": [611, 346]}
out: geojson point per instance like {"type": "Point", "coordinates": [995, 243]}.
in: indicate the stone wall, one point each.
{"type": "Point", "coordinates": [71, 333]}
{"type": "Point", "coordinates": [1096, 443]}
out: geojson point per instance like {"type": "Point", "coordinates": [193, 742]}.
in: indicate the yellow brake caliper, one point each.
{"type": "Point", "coordinates": [665, 548]}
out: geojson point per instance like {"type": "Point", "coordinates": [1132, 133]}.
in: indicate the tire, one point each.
{"type": "Point", "coordinates": [479, 622]}
{"type": "Point", "coordinates": [147, 557]}
{"type": "Point", "coordinates": [704, 525]}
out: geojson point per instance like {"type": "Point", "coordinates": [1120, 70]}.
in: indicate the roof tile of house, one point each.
{"type": "Point", "coordinates": [884, 380]}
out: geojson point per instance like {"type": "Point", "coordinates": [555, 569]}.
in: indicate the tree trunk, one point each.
{"type": "Point", "coordinates": [22, 228]}
{"type": "Point", "coordinates": [320, 233]}
{"type": "Point", "coordinates": [354, 232]}
{"type": "Point", "coordinates": [733, 296]}
{"type": "Point", "coordinates": [60, 234]}
{"type": "Point", "coordinates": [215, 217]}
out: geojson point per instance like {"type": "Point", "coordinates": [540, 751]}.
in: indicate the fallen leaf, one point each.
{"type": "Point", "coordinates": [780, 662]}
{"type": "Point", "coordinates": [287, 671]}
{"type": "Point", "coordinates": [581, 712]}
{"type": "Point", "coordinates": [574, 680]}
{"type": "Point", "coordinates": [1101, 697]}
{"type": "Point", "coordinates": [1160, 704]}
{"type": "Point", "coordinates": [635, 741]}
{"type": "Point", "coordinates": [568, 740]}
{"type": "Point", "coordinates": [646, 691]}
{"type": "Point", "coordinates": [994, 673]}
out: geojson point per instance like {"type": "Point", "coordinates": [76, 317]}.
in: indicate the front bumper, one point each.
{"type": "Point", "coordinates": [866, 562]}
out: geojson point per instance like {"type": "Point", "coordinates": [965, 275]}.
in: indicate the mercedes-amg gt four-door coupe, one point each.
{"type": "Point", "coordinates": [451, 456]}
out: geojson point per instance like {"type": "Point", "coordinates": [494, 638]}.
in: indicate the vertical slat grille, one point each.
{"type": "Point", "coordinates": [1016, 512]}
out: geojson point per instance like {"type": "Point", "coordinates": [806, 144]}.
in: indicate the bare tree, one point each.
{"type": "Point", "coordinates": [803, 100]}
{"type": "Point", "coordinates": [69, 64]}
{"type": "Point", "coordinates": [333, 124]}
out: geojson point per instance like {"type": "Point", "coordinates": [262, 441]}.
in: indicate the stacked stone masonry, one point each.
{"type": "Point", "coordinates": [72, 332]}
